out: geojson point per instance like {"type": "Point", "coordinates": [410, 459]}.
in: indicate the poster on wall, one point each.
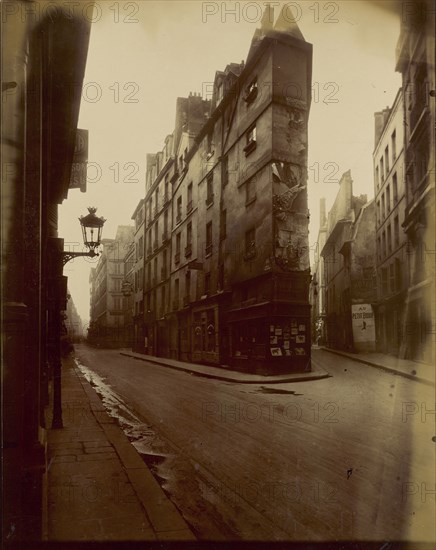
{"type": "Point", "coordinates": [362, 318]}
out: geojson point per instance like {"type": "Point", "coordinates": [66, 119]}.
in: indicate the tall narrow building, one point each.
{"type": "Point", "coordinates": [234, 280]}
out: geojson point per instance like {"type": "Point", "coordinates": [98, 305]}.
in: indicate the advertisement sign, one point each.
{"type": "Point", "coordinates": [362, 316]}
{"type": "Point", "coordinates": [79, 167]}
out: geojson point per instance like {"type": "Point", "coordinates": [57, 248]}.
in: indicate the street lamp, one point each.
{"type": "Point", "coordinates": [92, 228]}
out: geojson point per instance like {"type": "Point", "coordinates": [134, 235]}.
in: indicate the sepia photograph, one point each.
{"type": "Point", "coordinates": [218, 274]}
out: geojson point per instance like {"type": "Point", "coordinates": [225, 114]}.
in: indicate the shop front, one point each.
{"type": "Point", "coordinates": [205, 334]}
{"type": "Point", "coordinates": [270, 338]}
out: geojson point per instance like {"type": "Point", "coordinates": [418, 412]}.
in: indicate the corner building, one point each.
{"type": "Point", "coordinates": [239, 255]}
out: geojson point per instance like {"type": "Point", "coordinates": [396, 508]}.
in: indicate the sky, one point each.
{"type": "Point", "coordinates": [145, 54]}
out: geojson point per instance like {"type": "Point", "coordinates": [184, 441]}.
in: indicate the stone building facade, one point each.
{"type": "Point", "coordinates": [349, 271]}
{"type": "Point", "coordinates": [229, 282]}
{"type": "Point", "coordinates": [416, 63]}
{"type": "Point", "coordinates": [107, 311]}
{"type": "Point", "coordinates": [39, 115]}
{"type": "Point", "coordinates": [392, 260]}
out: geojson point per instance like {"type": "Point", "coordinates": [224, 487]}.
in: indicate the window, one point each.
{"type": "Point", "coordinates": [395, 188]}
{"type": "Point", "coordinates": [188, 249]}
{"type": "Point", "coordinates": [149, 274]}
{"type": "Point", "coordinates": [209, 191]}
{"type": "Point", "coordinates": [189, 233]}
{"type": "Point", "coordinates": [177, 255]}
{"type": "Point", "coordinates": [383, 206]}
{"type": "Point", "coordinates": [156, 201]}
{"type": "Point", "coordinates": [394, 145]}
{"type": "Point", "coordinates": [189, 198]}
{"type": "Point", "coordinates": [164, 265]}
{"type": "Point", "coordinates": [187, 285]}
{"type": "Point", "coordinates": [165, 225]}
{"type": "Point", "coordinates": [176, 294]}
{"type": "Point", "coordinates": [378, 213]}
{"type": "Point", "coordinates": [385, 280]}
{"type": "Point", "coordinates": [141, 278]}
{"type": "Point", "coordinates": [155, 272]}
{"type": "Point", "coordinates": [209, 243]}
{"type": "Point", "coordinates": [389, 237]}
{"type": "Point", "coordinates": [398, 275]}
{"type": "Point", "coordinates": [166, 195]}
{"type": "Point", "coordinates": [382, 170]}
{"type": "Point", "coordinates": [162, 301]}
{"type": "Point", "coordinates": [388, 198]}
{"type": "Point", "coordinates": [225, 171]}
{"type": "Point", "coordinates": [250, 191]}
{"type": "Point", "coordinates": [379, 248]}
{"type": "Point", "coordinates": [387, 160]}
{"type": "Point", "coordinates": [223, 224]}
{"type": "Point", "coordinates": [392, 277]}
{"type": "Point", "coordinates": [250, 244]}
{"type": "Point", "coordinates": [396, 231]}
{"type": "Point", "coordinates": [377, 177]}
{"type": "Point", "coordinates": [207, 283]}
{"type": "Point", "coordinates": [251, 140]}
{"type": "Point", "coordinates": [155, 243]}
{"type": "Point", "coordinates": [251, 92]}
{"type": "Point", "coordinates": [179, 210]}
{"type": "Point", "coordinates": [384, 243]}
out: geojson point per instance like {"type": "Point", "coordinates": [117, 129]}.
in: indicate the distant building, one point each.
{"type": "Point", "coordinates": [73, 322]}
{"type": "Point", "coordinates": [416, 63]}
{"type": "Point", "coordinates": [227, 260]}
{"type": "Point", "coordinates": [349, 271]}
{"type": "Point", "coordinates": [107, 323]}
{"type": "Point", "coordinates": [138, 276]}
{"type": "Point", "coordinates": [317, 287]}
{"type": "Point", "coordinates": [127, 288]}
{"type": "Point", "coordinates": [392, 261]}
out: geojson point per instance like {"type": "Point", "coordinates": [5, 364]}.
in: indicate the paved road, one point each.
{"type": "Point", "coordinates": [348, 457]}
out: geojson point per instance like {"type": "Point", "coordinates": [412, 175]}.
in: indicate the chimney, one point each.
{"type": "Point", "coordinates": [380, 119]}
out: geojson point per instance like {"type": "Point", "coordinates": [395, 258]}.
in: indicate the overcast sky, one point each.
{"type": "Point", "coordinates": [143, 55]}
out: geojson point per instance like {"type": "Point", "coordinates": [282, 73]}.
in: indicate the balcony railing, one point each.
{"type": "Point", "coordinates": [188, 250]}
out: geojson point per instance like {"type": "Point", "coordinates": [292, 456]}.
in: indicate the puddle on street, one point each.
{"type": "Point", "coordinates": [264, 389]}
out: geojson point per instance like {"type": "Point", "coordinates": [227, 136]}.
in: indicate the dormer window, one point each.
{"type": "Point", "coordinates": [251, 140]}
{"type": "Point", "coordinates": [251, 91]}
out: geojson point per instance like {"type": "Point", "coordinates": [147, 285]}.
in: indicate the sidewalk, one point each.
{"type": "Point", "coordinates": [99, 488]}
{"type": "Point", "coordinates": [227, 375]}
{"type": "Point", "coordinates": [420, 372]}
